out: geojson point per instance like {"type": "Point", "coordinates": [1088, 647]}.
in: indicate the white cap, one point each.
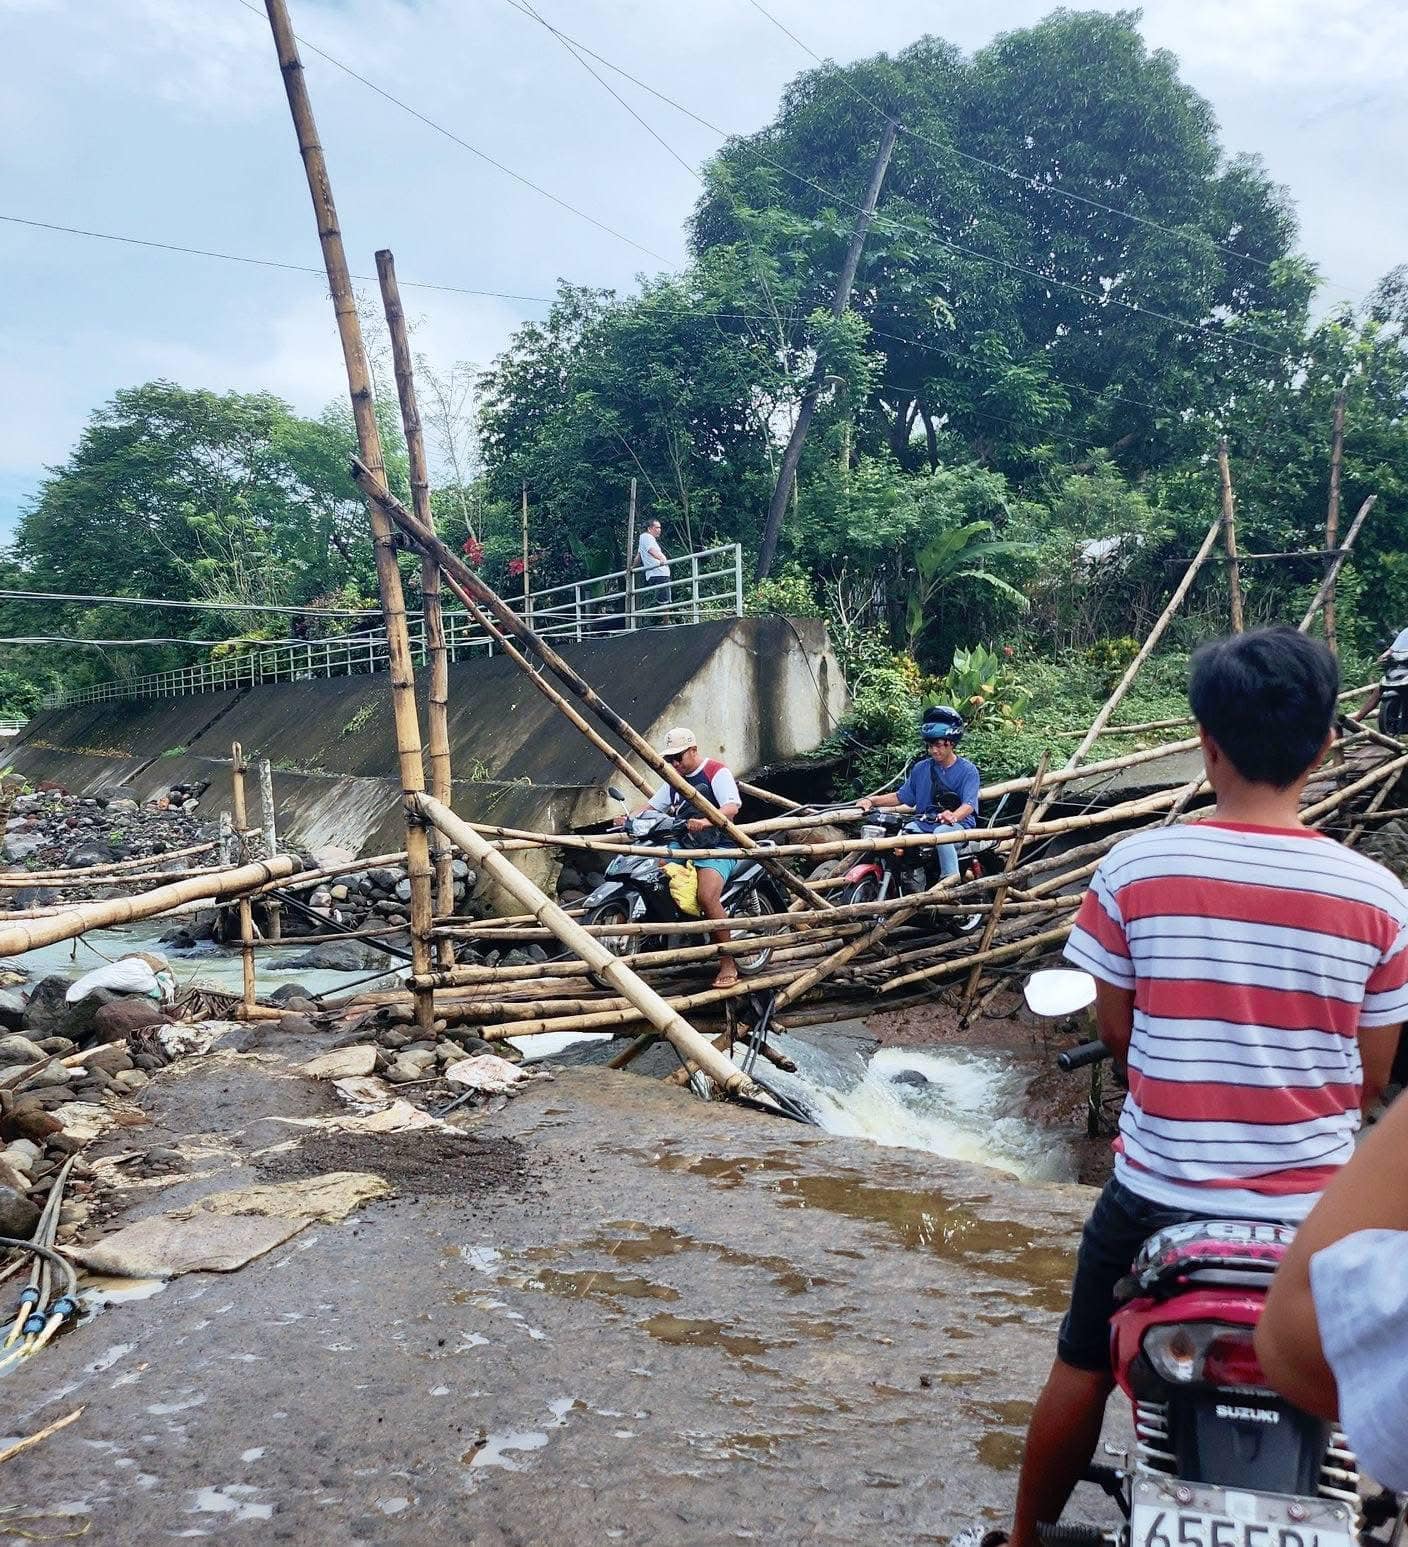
{"type": "Point", "coordinates": [680, 739]}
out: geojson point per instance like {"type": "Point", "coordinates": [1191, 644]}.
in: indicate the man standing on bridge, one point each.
{"type": "Point", "coordinates": [657, 572]}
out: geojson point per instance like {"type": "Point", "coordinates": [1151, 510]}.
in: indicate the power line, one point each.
{"type": "Point", "coordinates": [263, 263]}
{"type": "Point", "coordinates": [474, 150]}
{"type": "Point", "coordinates": [154, 601]}
{"type": "Point", "coordinates": [159, 639]}
{"type": "Point", "coordinates": [1011, 172]}
{"type": "Point", "coordinates": [1103, 298]}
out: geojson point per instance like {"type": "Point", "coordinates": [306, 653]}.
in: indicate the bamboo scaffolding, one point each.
{"type": "Point", "coordinates": [644, 1000]}
{"type": "Point", "coordinates": [999, 897]}
{"type": "Point", "coordinates": [359, 386]}
{"type": "Point", "coordinates": [374, 486]}
{"type": "Point", "coordinates": [1327, 585]}
{"type": "Point", "coordinates": [81, 917]}
{"type": "Point", "coordinates": [437, 653]}
{"type": "Point", "coordinates": [80, 874]}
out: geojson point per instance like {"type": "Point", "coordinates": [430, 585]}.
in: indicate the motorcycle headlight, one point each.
{"type": "Point", "coordinates": [871, 830]}
{"type": "Point", "coordinates": [1207, 1352]}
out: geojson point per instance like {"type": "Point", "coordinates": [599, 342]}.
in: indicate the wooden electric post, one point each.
{"type": "Point", "coordinates": [527, 602]}
{"type": "Point", "coordinates": [1332, 515]}
{"type": "Point", "coordinates": [631, 559]}
{"type": "Point", "coordinates": [241, 818]}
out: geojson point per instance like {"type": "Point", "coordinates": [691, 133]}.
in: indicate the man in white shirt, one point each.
{"type": "Point", "coordinates": [656, 596]}
{"type": "Point", "coordinates": [1334, 1334]}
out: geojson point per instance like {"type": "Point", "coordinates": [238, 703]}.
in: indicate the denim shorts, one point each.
{"type": "Point", "coordinates": [1119, 1225]}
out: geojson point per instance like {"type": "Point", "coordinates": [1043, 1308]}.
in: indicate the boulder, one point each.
{"type": "Point", "coordinates": [18, 1050]}
{"type": "Point", "coordinates": [21, 843]}
{"type": "Point", "coordinates": [22, 1154]}
{"type": "Point", "coordinates": [86, 854]}
{"type": "Point", "coordinates": [11, 1009]}
{"type": "Point", "coordinates": [384, 880]}
{"type": "Point", "coordinates": [287, 991]}
{"type": "Point", "coordinates": [125, 1016]}
{"type": "Point", "coordinates": [297, 1025]}
{"type": "Point", "coordinates": [334, 956]}
{"type": "Point", "coordinates": [33, 896]}
{"type": "Point", "coordinates": [341, 1063]}
{"type": "Point", "coordinates": [109, 1057]}
{"type": "Point", "coordinates": [36, 1125]}
{"type": "Point", "coordinates": [18, 1216]}
{"type": "Point", "coordinates": [47, 1015]}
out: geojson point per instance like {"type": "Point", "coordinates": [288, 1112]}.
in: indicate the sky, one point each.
{"type": "Point", "coordinates": [166, 120]}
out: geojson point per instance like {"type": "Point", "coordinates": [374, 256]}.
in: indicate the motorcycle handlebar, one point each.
{"type": "Point", "coordinates": [1081, 1057]}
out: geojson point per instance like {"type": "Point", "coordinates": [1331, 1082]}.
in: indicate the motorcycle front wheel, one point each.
{"type": "Point", "coordinates": [615, 912]}
{"type": "Point", "coordinates": [755, 902]}
{"type": "Point", "coordinates": [867, 889]}
{"type": "Point", "coordinates": [1393, 711]}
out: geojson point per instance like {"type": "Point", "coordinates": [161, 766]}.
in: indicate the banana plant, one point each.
{"type": "Point", "coordinates": [959, 553]}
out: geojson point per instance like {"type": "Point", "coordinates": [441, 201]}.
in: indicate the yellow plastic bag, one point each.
{"type": "Point", "coordinates": [684, 887]}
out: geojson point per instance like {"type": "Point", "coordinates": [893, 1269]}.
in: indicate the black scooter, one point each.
{"type": "Point", "coordinates": [637, 890]}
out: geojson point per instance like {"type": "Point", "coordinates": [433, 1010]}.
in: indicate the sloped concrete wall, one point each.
{"type": "Point", "coordinates": [755, 690]}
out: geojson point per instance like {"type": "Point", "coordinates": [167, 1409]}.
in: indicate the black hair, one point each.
{"type": "Point", "coordinates": [1267, 699]}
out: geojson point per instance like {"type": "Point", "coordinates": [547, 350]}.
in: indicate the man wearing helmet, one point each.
{"type": "Point", "coordinates": [942, 788]}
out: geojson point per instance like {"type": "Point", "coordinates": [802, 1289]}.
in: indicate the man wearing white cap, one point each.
{"type": "Point", "coordinates": [714, 781]}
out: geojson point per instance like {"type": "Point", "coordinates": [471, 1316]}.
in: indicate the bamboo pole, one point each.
{"type": "Point", "coordinates": [1327, 585]}
{"type": "Point", "coordinates": [768, 798]}
{"type": "Point", "coordinates": [527, 595]}
{"type": "Point", "coordinates": [271, 839]}
{"type": "Point", "coordinates": [81, 917]}
{"type": "Point", "coordinates": [644, 999]}
{"type": "Point", "coordinates": [1345, 792]}
{"type": "Point", "coordinates": [374, 486]}
{"type": "Point", "coordinates": [116, 867]}
{"type": "Point", "coordinates": [1332, 514]}
{"type": "Point", "coordinates": [1132, 670]}
{"type": "Point", "coordinates": [1370, 812]}
{"type": "Point", "coordinates": [1229, 536]}
{"type": "Point", "coordinates": [999, 897]}
{"type": "Point", "coordinates": [238, 766]}
{"type": "Point", "coordinates": [992, 954]}
{"type": "Point", "coordinates": [359, 386]}
{"type": "Point", "coordinates": [437, 654]}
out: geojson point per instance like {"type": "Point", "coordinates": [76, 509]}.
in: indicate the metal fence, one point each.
{"type": "Point", "coordinates": [703, 585]}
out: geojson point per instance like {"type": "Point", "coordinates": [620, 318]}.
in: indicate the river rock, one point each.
{"type": "Point", "coordinates": [130, 1080]}
{"type": "Point", "coordinates": [15, 1049]}
{"type": "Point", "coordinates": [50, 1077]}
{"type": "Point", "coordinates": [22, 1154]}
{"type": "Point", "coordinates": [11, 1176]}
{"type": "Point", "coordinates": [334, 956]}
{"type": "Point", "coordinates": [18, 1216]}
{"type": "Point", "coordinates": [406, 1067]}
{"type": "Point", "coordinates": [11, 1009]}
{"type": "Point", "coordinates": [384, 880]}
{"type": "Point", "coordinates": [47, 1014]}
{"type": "Point", "coordinates": [403, 890]}
{"type": "Point", "coordinates": [110, 1057]}
{"type": "Point", "coordinates": [341, 1063]}
{"type": "Point", "coordinates": [33, 896]}
{"type": "Point", "coordinates": [286, 991]}
{"type": "Point", "coordinates": [87, 854]}
{"type": "Point", "coordinates": [338, 893]}
{"type": "Point", "coordinates": [38, 1126]}
{"type": "Point", "coordinates": [21, 843]}
{"type": "Point", "coordinates": [126, 1016]}
{"type": "Point", "coordinates": [295, 1025]}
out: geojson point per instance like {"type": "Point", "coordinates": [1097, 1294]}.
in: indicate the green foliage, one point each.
{"type": "Point", "coordinates": [174, 752]}
{"type": "Point", "coordinates": [789, 593]}
{"type": "Point", "coordinates": [359, 720]}
{"type": "Point", "coordinates": [985, 690]}
{"type": "Point", "coordinates": [1110, 658]}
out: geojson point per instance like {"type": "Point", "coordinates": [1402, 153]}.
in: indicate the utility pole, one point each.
{"type": "Point", "coordinates": [527, 603]}
{"type": "Point", "coordinates": [629, 586]}
{"type": "Point", "coordinates": [787, 472]}
{"type": "Point", "coordinates": [1229, 536]}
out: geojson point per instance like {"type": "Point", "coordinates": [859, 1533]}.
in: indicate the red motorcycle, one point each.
{"type": "Point", "coordinates": [1219, 1459]}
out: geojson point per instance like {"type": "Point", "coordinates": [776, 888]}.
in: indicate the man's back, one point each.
{"type": "Point", "coordinates": [1255, 955]}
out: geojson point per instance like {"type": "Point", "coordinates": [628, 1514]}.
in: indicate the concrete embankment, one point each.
{"type": "Point", "coordinates": [754, 689]}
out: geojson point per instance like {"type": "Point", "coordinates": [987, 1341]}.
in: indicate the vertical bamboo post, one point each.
{"type": "Point", "coordinates": [241, 819]}
{"type": "Point", "coordinates": [438, 693]}
{"type": "Point", "coordinates": [1229, 536]}
{"type": "Point", "coordinates": [630, 608]}
{"type": "Point", "coordinates": [1337, 563]}
{"type": "Point", "coordinates": [271, 840]}
{"type": "Point", "coordinates": [359, 386]}
{"type": "Point", "coordinates": [523, 524]}
{"type": "Point", "coordinates": [999, 896]}
{"type": "Point", "coordinates": [1332, 516]}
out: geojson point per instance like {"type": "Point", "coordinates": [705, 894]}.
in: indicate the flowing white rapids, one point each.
{"type": "Point", "coordinates": [954, 1102]}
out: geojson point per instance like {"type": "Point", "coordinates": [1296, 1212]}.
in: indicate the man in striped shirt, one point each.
{"type": "Point", "coordinates": [1251, 978]}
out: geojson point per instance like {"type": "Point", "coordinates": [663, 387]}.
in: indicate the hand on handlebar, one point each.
{"type": "Point", "coordinates": [865, 803]}
{"type": "Point", "coordinates": [697, 824]}
{"type": "Point", "coordinates": [619, 820]}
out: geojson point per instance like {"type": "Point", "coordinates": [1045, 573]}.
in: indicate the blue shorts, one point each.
{"type": "Point", "coordinates": [725, 867]}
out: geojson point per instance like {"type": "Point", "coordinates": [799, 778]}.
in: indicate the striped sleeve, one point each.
{"type": "Point", "coordinates": [1097, 941]}
{"type": "Point", "coordinates": [1386, 990]}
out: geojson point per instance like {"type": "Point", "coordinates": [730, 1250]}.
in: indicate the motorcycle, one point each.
{"type": "Point", "coordinates": [886, 873]}
{"type": "Point", "coordinates": [1393, 696]}
{"type": "Point", "coordinates": [1219, 1459]}
{"type": "Point", "coordinates": [637, 890]}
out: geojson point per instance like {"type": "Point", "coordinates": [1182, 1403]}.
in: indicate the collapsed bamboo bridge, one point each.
{"type": "Point", "coordinates": [825, 961]}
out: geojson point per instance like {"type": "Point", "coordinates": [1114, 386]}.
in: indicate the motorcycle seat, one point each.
{"type": "Point", "coordinates": [1233, 1253]}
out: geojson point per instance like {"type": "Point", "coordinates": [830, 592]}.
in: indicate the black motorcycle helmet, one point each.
{"type": "Point", "coordinates": [942, 723]}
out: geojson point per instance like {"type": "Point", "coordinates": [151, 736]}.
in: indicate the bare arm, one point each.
{"type": "Point", "coordinates": [874, 802]}
{"type": "Point", "coordinates": [1370, 1193]}
{"type": "Point", "coordinates": [1377, 1045]}
{"type": "Point", "coordinates": [697, 824]}
{"type": "Point", "coordinates": [1114, 1019]}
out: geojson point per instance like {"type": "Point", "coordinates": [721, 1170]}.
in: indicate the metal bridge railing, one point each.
{"type": "Point", "coordinates": [703, 585]}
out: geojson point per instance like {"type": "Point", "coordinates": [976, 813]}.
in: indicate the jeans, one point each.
{"type": "Point", "coordinates": [948, 859]}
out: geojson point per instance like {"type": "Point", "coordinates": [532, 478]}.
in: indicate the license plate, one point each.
{"type": "Point", "coordinates": [1169, 1513]}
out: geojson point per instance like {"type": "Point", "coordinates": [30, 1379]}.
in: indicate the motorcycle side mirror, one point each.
{"type": "Point", "coordinates": [616, 794]}
{"type": "Point", "coordinates": [1058, 991]}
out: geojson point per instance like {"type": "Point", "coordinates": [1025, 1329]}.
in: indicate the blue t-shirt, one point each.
{"type": "Point", "coordinates": [931, 789]}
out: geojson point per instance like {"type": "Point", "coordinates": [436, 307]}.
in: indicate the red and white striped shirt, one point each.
{"type": "Point", "coordinates": [1255, 955]}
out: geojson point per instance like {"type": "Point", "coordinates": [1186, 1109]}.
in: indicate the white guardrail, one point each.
{"type": "Point", "coordinates": [703, 585]}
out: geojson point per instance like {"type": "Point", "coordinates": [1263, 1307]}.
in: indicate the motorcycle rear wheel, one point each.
{"type": "Point", "coordinates": [1393, 712]}
{"type": "Point", "coordinates": [867, 889]}
{"type": "Point", "coordinates": [609, 913]}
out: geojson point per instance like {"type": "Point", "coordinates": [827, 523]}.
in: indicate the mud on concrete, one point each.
{"type": "Point", "coordinates": [421, 1164]}
{"type": "Point", "coordinates": [682, 1323]}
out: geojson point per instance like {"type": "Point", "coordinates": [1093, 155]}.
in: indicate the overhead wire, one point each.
{"type": "Point", "coordinates": [464, 144]}
{"type": "Point", "coordinates": [1012, 173]}
{"type": "Point", "coordinates": [192, 606]}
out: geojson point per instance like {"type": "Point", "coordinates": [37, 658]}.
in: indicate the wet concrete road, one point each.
{"type": "Point", "coordinates": [690, 1325]}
